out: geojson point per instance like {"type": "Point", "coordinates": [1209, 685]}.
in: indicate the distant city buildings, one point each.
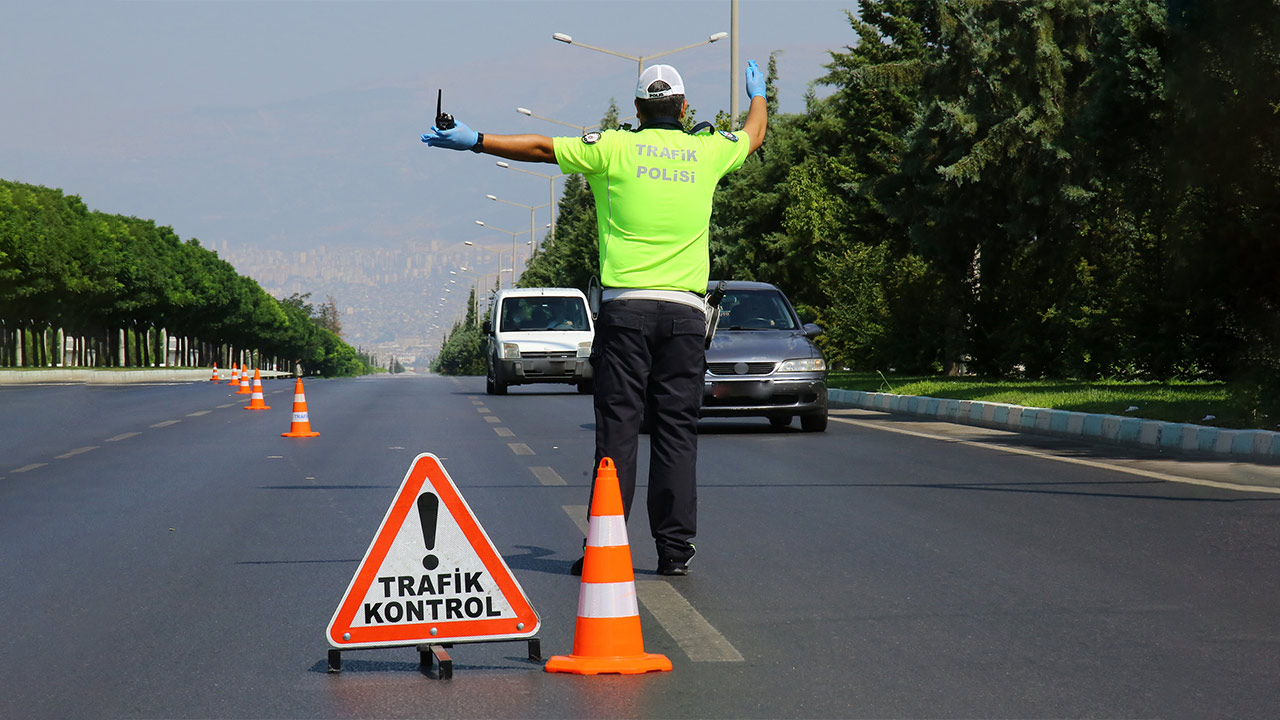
{"type": "Point", "coordinates": [387, 298]}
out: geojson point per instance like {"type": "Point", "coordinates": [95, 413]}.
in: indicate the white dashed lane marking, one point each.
{"type": "Point", "coordinates": [695, 636]}
{"type": "Point", "coordinates": [166, 423]}
{"type": "Point", "coordinates": [491, 419]}
{"type": "Point", "coordinates": [521, 449]}
{"type": "Point", "coordinates": [504, 432]}
{"type": "Point", "coordinates": [25, 468]}
{"type": "Point", "coordinates": [198, 413]}
{"type": "Point", "coordinates": [547, 476]}
{"type": "Point", "coordinates": [685, 625]}
{"type": "Point", "coordinates": [77, 451]}
{"type": "Point", "coordinates": [121, 436]}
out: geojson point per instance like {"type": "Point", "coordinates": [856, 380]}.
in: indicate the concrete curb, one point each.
{"type": "Point", "coordinates": [119, 377]}
{"type": "Point", "coordinates": [1251, 445]}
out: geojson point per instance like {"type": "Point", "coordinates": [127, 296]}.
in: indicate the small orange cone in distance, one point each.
{"type": "Point", "coordinates": [256, 402]}
{"type": "Point", "coordinates": [301, 425]}
{"type": "Point", "coordinates": [215, 373]}
{"type": "Point", "coordinates": [244, 383]}
{"type": "Point", "coordinates": [607, 637]}
{"type": "Point", "coordinates": [235, 376]}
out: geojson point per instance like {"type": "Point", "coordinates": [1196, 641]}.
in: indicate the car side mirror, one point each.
{"type": "Point", "coordinates": [811, 330]}
{"type": "Point", "coordinates": [487, 327]}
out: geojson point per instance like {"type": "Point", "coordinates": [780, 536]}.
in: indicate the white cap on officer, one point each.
{"type": "Point", "coordinates": [654, 73]}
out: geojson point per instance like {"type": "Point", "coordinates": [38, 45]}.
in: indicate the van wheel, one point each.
{"type": "Point", "coordinates": [492, 385]}
{"type": "Point", "coordinates": [814, 423]}
{"type": "Point", "coordinates": [780, 421]}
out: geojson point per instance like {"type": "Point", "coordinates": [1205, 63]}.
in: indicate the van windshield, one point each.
{"type": "Point", "coordinates": [543, 313]}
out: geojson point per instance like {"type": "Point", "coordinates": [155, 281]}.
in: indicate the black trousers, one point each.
{"type": "Point", "coordinates": [651, 352]}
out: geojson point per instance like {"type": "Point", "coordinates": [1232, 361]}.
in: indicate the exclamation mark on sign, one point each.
{"type": "Point", "coordinates": [428, 508]}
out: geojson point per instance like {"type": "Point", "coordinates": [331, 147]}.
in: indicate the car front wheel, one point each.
{"type": "Point", "coordinates": [814, 423]}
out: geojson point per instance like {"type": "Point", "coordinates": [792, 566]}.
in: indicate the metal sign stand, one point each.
{"type": "Point", "coordinates": [429, 654]}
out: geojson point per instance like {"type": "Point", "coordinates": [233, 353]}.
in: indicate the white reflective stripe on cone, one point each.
{"type": "Point", "coordinates": [299, 397]}
{"type": "Point", "coordinates": [300, 417]}
{"type": "Point", "coordinates": [607, 600]}
{"type": "Point", "coordinates": [606, 531]}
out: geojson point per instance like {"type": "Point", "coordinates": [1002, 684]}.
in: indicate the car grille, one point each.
{"type": "Point", "coordinates": [556, 354]}
{"type": "Point", "coordinates": [770, 401]}
{"type": "Point", "coordinates": [753, 368]}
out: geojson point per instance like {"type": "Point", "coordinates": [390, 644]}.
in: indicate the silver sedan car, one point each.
{"type": "Point", "coordinates": [763, 361]}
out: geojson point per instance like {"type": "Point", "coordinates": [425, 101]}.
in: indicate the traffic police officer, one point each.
{"type": "Point", "coordinates": [653, 190]}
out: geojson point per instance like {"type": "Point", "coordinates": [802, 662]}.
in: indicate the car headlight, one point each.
{"type": "Point", "coordinates": [803, 365]}
{"type": "Point", "coordinates": [510, 351]}
{"type": "Point", "coordinates": [584, 349]}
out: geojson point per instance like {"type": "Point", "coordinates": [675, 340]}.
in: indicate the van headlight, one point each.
{"type": "Point", "coordinates": [803, 365]}
{"type": "Point", "coordinates": [584, 349]}
{"type": "Point", "coordinates": [510, 351]}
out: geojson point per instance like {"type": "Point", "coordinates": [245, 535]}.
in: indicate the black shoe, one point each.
{"type": "Point", "coordinates": [668, 566]}
{"type": "Point", "coordinates": [576, 568]}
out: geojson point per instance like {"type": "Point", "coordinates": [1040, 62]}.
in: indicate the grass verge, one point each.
{"type": "Point", "coordinates": [1202, 403]}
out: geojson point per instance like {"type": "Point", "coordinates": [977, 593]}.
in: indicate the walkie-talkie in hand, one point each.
{"type": "Point", "coordinates": [713, 311]}
{"type": "Point", "coordinates": [444, 121]}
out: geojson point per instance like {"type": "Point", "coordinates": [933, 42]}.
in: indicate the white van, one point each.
{"type": "Point", "coordinates": [538, 335]}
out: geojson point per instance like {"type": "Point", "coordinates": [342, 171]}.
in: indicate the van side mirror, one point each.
{"type": "Point", "coordinates": [811, 330]}
{"type": "Point", "coordinates": [486, 327]}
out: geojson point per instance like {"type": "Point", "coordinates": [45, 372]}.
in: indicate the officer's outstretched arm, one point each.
{"type": "Point", "coordinates": [526, 148]}
{"type": "Point", "coordinates": [758, 114]}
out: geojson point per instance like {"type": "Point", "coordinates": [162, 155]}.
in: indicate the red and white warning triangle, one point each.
{"type": "Point", "coordinates": [431, 574]}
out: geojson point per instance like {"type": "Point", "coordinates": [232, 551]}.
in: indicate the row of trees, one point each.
{"type": "Point", "coordinates": [114, 289]}
{"type": "Point", "coordinates": [462, 351]}
{"type": "Point", "coordinates": [1067, 188]}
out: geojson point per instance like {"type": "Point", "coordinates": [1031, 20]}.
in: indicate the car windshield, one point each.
{"type": "Point", "coordinates": [544, 313]}
{"type": "Point", "coordinates": [755, 310]}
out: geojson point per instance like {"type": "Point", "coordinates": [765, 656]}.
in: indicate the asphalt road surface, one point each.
{"type": "Point", "coordinates": [165, 553]}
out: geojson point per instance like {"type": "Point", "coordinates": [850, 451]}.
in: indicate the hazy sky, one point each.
{"type": "Point", "coordinates": [290, 124]}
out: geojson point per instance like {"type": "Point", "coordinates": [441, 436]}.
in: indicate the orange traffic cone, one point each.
{"type": "Point", "coordinates": [235, 376]}
{"type": "Point", "coordinates": [301, 425]}
{"type": "Point", "coordinates": [607, 637]}
{"type": "Point", "coordinates": [256, 402]}
{"type": "Point", "coordinates": [244, 383]}
{"type": "Point", "coordinates": [215, 373]}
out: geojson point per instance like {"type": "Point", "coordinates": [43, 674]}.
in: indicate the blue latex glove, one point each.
{"type": "Point", "coordinates": [458, 137]}
{"type": "Point", "coordinates": [755, 80]}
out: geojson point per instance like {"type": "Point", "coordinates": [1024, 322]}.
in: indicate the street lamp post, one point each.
{"type": "Point", "coordinates": [639, 59]}
{"type": "Point", "coordinates": [581, 128]}
{"type": "Point", "coordinates": [499, 252]}
{"type": "Point", "coordinates": [551, 189]}
{"type": "Point", "coordinates": [531, 208]}
{"type": "Point", "coordinates": [480, 287]}
{"type": "Point", "coordinates": [513, 234]}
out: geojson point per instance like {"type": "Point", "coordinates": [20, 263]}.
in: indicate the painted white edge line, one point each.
{"type": "Point", "coordinates": [1074, 461]}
